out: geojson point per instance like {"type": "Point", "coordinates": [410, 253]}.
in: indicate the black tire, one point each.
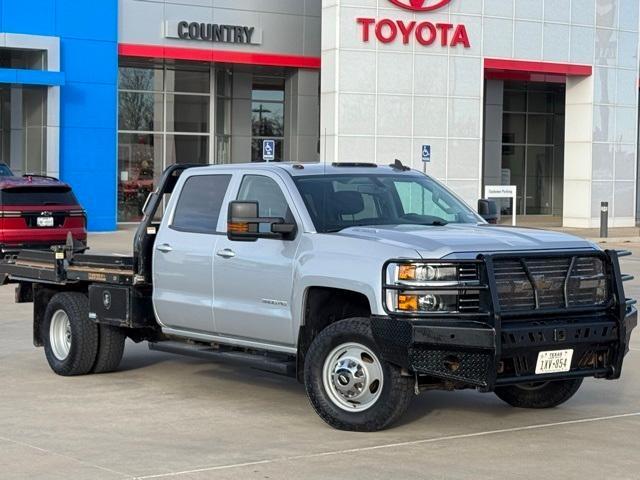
{"type": "Point", "coordinates": [396, 393]}
{"type": "Point", "coordinates": [83, 332]}
{"type": "Point", "coordinates": [110, 349]}
{"type": "Point", "coordinates": [543, 395]}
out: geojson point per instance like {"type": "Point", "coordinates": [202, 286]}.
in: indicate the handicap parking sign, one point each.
{"type": "Point", "coordinates": [426, 153]}
{"type": "Point", "coordinates": [268, 150]}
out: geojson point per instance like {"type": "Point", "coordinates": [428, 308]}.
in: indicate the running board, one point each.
{"type": "Point", "coordinates": [259, 361]}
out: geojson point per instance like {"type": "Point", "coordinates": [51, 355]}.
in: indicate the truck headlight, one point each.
{"type": "Point", "coordinates": [427, 273]}
{"type": "Point", "coordinates": [427, 301]}
{"type": "Point", "coordinates": [415, 288]}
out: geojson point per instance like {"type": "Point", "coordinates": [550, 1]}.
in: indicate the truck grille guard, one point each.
{"type": "Point", "coordinates": [558, 313]}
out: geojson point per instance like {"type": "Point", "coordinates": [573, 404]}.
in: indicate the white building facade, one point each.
{"type": "Point", "coordinates": [540, 94]}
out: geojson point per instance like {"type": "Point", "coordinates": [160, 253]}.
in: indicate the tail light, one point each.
{"type": "Point", "coordinates": [77, 213]}
{"type": "Point", "coordinates": [10, 214]}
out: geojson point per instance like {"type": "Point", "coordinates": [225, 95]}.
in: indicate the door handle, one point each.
{"type": "Point", "coordinates": [226, 253]}
{"type": "Point", "coordinates": [164, 248]}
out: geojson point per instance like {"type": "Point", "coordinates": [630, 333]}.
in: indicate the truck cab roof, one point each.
{"type": "Point", "coordinates": [316, 169]}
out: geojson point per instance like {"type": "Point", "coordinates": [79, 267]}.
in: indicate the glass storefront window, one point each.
{"type": "Point", "coordinates": [187, 113]}
{"type": "Point", "coordinates": [141, 76]}
{"type": "Point", "coordinates": [163, 118]}
{"type": "Point", "coordinates": [23, 59]}
{"type": "Point", "coordinates": [224, 94]}
{"type": "Point", "coordinates": [23, 128]}
{"type": "Point", "coordinates": [532, 141]}
{"type": "Point", "coordinates": [187, 149]}
{"type": "Point", "coordinates": [139, 163]}
{"type": "Point", "coordinates": [188, 78]}
{"type": "Point", "coordinates": [141, 112]}
{"type": "Point", "coordinates": [267, 115]}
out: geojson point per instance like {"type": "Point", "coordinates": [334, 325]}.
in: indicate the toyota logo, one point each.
{"type": "Point", "coordinates": [420, 5]}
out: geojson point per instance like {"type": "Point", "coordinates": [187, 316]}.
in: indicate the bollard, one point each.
{"type": "Point", "coordinates": [604, 219]}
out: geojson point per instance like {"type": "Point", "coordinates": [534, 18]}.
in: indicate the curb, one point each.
{"type": "Point", "coordinates": [614, 239]}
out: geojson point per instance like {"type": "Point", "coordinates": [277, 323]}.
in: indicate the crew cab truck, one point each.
{"type": "Point", "coordinates": [367, 283]}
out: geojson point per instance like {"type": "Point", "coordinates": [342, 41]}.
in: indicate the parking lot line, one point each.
{"type": "Point", "coordinates": [392, 445]}
{"type": "Point", "coordinates": [66, 457]}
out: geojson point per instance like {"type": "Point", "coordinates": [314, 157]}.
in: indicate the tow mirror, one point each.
{"type": "Point", "coordinates": [488, 209]}
{"type": "Point", "coordinates": [244, 224]}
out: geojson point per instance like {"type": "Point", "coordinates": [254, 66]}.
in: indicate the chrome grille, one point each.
{"type": "Point", "coordinates": [549, 283]}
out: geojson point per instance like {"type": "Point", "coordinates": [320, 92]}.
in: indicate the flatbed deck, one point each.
{"type": "Point", "coordinates": [57, 268]}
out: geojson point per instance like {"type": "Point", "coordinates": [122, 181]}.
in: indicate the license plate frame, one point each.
{"type": "Point", "coordinates": [554, 361]}
{"type": "Point", "coordinates": [45, 222]}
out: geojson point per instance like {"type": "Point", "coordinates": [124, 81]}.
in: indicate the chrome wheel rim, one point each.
{"type": "Point", "coordinates": [352, 377]}
{"type": "Point", "coordinates": [60, 335]}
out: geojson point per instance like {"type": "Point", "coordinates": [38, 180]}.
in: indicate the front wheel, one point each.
{"type": "Point", "coordinates": [540, 394]}
{"type": "Point", "coordinates": [348, 383]}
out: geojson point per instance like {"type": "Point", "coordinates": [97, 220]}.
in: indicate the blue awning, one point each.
{"type": "Point", "coordinates": [31, 77]}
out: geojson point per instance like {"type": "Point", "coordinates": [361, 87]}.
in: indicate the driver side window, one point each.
{"type": "Point", "coordinates": [271, 200]}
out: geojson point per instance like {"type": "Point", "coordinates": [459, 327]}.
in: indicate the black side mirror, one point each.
{"type": "Point", "coordinates": [488, 209]}
{"type": "Point", "coordinates": [243, 224]}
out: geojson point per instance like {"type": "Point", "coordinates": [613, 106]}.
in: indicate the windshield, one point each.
{"type": "Point", "coordinates": [336, 202]}
{"type": "Point", "coordinates": [5, 171]}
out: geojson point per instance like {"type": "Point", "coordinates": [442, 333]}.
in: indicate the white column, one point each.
{"type": "Point", "coordinates": [578, 156]}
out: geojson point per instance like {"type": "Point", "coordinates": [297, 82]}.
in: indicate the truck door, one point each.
{"type": "Point", "coordinates": [183, 254]}
{"type": "Point", "coordinates": [253, 280]}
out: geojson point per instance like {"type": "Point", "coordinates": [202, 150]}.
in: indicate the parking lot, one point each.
{"type": "Point", "coordinates": [165, 416]}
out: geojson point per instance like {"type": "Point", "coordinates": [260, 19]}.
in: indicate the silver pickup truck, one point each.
{"type": "Point", "coordinates": [367, 283]}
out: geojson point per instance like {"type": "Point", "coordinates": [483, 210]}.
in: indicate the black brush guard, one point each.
{"type": "Point", "coordinates": [495, 347]}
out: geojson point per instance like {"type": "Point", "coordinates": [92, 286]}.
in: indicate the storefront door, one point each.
{"type": "Point", "coordinates": [533, 146]}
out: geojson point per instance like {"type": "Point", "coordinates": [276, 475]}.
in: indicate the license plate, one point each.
{"type": "Point", "coordinates": [45, 221]}
{"type": "Point", "coordinates": [556, 361]}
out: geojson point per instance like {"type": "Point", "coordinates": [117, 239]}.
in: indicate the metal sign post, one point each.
{"type": "Point", "coordinates": [503, 191]}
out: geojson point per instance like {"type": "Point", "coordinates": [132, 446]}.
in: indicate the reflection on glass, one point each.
{"type": "Point", "coordinates": [514, 128]}
{"type": "Point", "coordinates": [140, 111]}
{"type": "Point", "coordinates": [539, 180]}
{"type": "Point", "coordinates": [541, 129]}
{"type": "Point", "coordinates": [139, 163]}
{"type": "Point", "coordinates": [187, 149]}
{"type": "Point", "coordinates": [533, 146]}
{"type": "Point", "coordinates": [267, 119]}
{"type": "Point", "coordinates": [140, 76]}
{"type": "Point", "coordinates": [23, 131]}
{"type": "Point", "coordinates": [513, 166]}
{"type": "Point", "coordinates": [23, 59]}
{"type": "Point", "coordinates": [268, 89]}
{"type": "Point", "coordinates": [187, 113]}
{"type": "Point", "coordinates": [188, 78]}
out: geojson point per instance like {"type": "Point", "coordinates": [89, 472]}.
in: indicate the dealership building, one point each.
{"type": "Point", "coordinates": [537, 94]}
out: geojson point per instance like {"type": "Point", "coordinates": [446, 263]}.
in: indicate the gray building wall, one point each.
{"type": "Point", "coordinates": [287, 27]}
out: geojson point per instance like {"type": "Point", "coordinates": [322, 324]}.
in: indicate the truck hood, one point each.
{"type": "Point", "coordinates": [469, 239]}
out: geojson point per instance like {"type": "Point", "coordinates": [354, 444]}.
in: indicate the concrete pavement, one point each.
{"type": "Point", "coordinates": [165, 416]}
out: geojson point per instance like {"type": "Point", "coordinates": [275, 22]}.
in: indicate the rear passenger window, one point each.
{"type": "Point", "coordinates": [200, 202]}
